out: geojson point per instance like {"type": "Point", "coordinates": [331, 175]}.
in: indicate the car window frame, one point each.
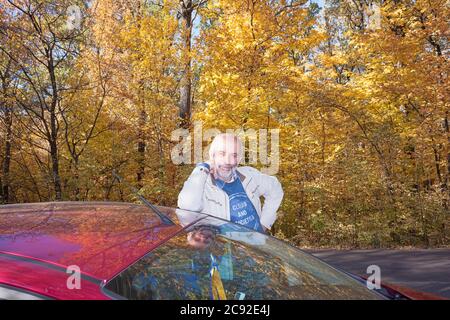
{"type": "Point", "coordinates": [22, 294]}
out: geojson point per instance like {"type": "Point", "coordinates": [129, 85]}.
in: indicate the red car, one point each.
{"type": "Point", "coordinates": [113, 250]}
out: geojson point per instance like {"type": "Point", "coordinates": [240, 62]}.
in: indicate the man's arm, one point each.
{"type": "Point", "coordinates": [190, 197]}
{"type": "Point", "coordinates": [272, 191]}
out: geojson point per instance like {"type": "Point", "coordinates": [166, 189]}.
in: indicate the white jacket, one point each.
{"type": "Point", "coordinates": [200, 193]}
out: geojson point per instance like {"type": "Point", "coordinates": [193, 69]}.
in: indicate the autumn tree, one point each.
{"type": "Point", "coordinates": [42, 47]}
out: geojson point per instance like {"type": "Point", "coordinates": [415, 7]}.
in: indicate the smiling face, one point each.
{"type": "Point", "coordinates": [226, 156]}
{"type": "Point", "coordinates": [201, 239]}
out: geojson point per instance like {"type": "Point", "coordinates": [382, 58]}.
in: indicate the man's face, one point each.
{"type": "Point", "coordinates": [201, 239]}
{"type": "Point", "coordinates": [226, 157]}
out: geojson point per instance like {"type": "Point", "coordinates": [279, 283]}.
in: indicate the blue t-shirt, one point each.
{"type": "Point", "coordinates": [242, 210]}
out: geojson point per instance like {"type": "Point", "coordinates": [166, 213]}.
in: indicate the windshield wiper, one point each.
{"type": "Point", "coordinates": [165, 219]}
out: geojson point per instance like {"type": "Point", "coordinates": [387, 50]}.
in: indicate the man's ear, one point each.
{"type": "Point", "coordinates": [211, 165]}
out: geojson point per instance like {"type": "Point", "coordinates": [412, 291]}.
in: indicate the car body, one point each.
{"type": "Point", "coordinates": [115, 250]}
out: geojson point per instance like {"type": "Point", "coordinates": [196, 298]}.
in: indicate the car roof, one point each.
{"type": "Point", "coordinates": [101, 238]}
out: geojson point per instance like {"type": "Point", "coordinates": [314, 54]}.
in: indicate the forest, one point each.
{"type": "Point", "coordinates": [358, 90]}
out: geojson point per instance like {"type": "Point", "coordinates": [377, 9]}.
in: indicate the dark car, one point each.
{"type": "Point", "coordinates": [114, 250]}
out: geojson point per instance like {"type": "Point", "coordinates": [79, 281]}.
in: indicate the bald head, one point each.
{"type": "Point", "coordinates": [225, 153]}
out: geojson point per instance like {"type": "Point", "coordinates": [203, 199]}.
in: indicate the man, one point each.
{"type": "Point", "coordinates": [202, 236]}
{"type": "Point", "coordinates": [220, 188]}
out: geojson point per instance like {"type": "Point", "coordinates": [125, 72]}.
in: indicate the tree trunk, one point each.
{"type": "Point", "coordinates": [55, 170]}
{"type": "Point", "coordinates": [5, 185]}
{"type": "Point", "coordinates": [54, 128]}
{"type": "Point", "coordinates": [447, 173]}
{"type": "Point", "coordinates": [141, 148]}
{"type": "Point", "coordinates": [186, 80]}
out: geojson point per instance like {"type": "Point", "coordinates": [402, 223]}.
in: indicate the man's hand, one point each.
{"type": "Point", "coordinates": [211, 166]}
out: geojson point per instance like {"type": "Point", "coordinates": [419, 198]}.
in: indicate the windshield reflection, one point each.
{"type": "Point", "coordinates": [214, 258]}
{"type": "Point", "coordinates": [202, 237]}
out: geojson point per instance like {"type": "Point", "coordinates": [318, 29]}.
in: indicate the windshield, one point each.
{"type": "Point", "coordinates": [214, 259]}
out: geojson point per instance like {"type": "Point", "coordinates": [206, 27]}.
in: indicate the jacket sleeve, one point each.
{"type": "Point", "coordinates": [191, 196]}
{"type": "Point", "coordinates": [272, 191]}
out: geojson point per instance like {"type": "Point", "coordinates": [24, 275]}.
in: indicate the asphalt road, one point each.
{"type": "Point", "coordinates": [426, 270]}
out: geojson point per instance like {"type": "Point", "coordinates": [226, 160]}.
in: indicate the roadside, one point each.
{"type": "Point", "coordinates": [426, 270]}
